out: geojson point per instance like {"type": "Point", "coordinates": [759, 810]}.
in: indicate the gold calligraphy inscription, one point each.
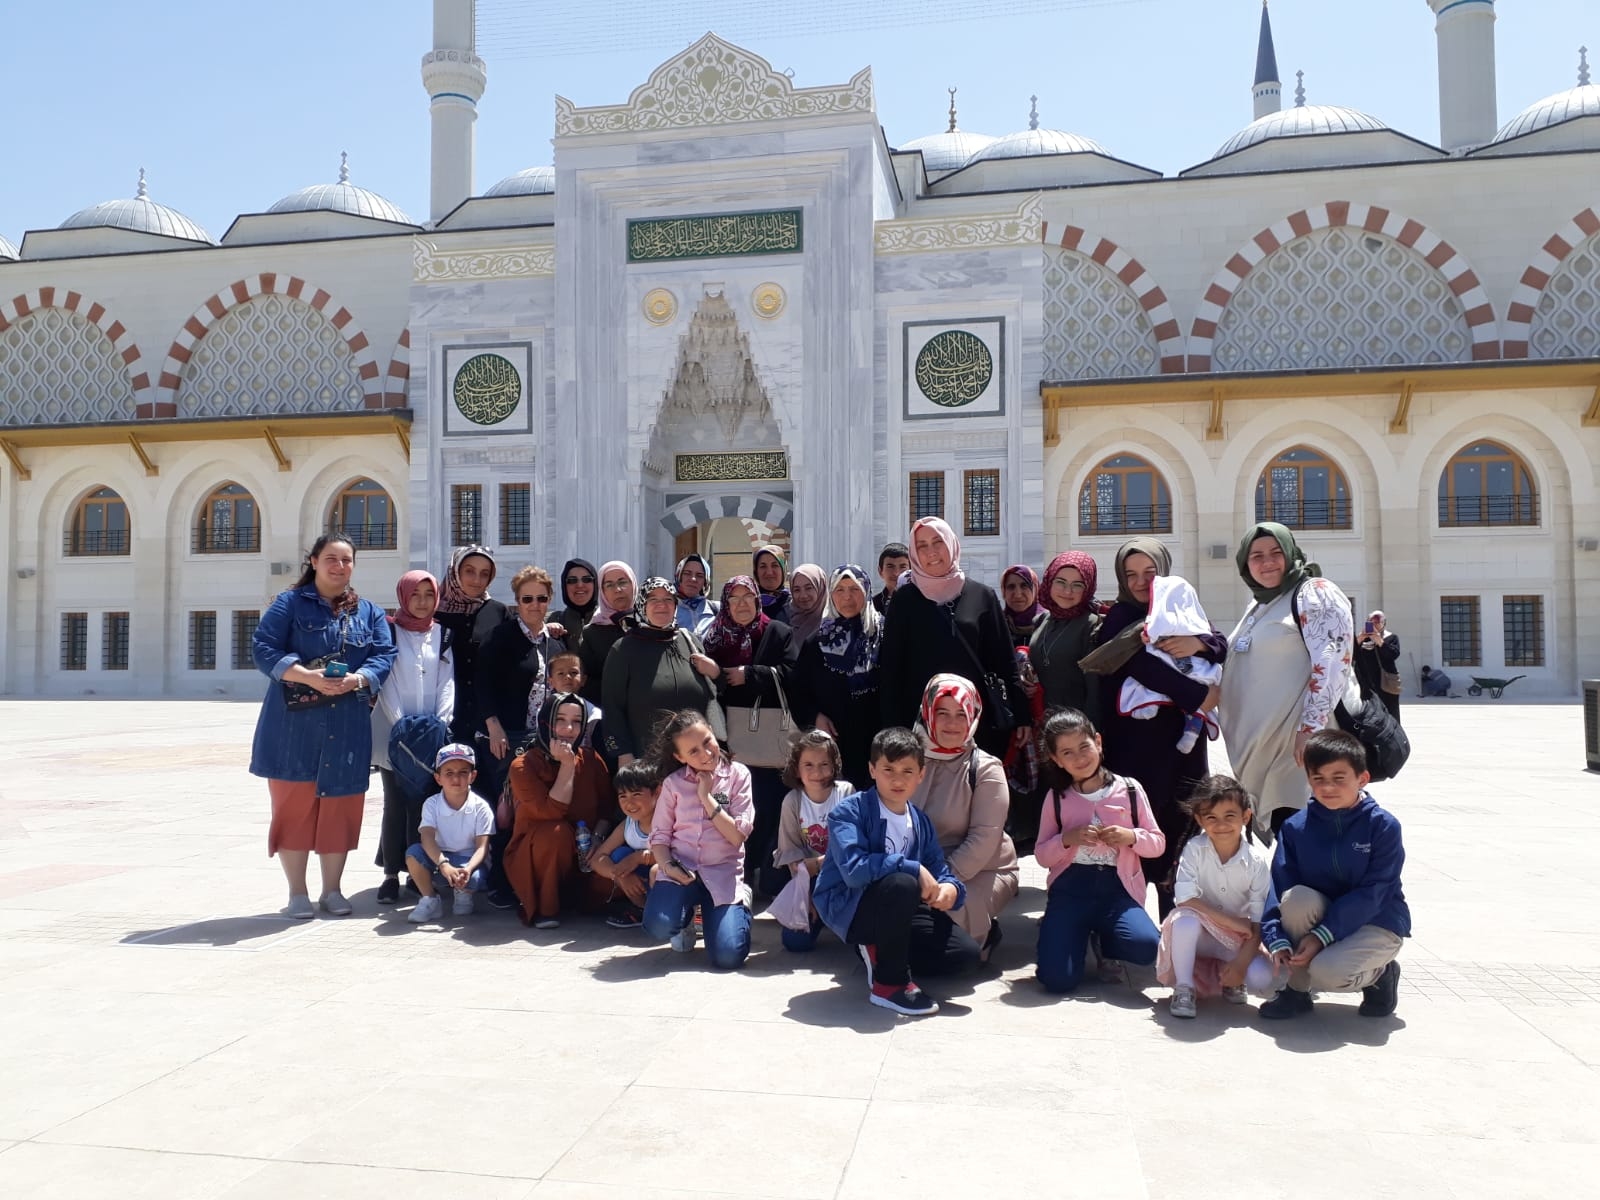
{"type": "Point", "coordinates": [729, 235]}
{"type": "Point", "coordinates": [954, 368]}
{"type": "Point", "coordinates": [487, 389]}
{"type": "Point", "coordinates": [730, 468]}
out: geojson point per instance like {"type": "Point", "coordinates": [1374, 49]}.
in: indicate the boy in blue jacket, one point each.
{"type": "Point", "coordinates": [884, 886]}
{"type": "Point", "coordinates": [1340, 914]}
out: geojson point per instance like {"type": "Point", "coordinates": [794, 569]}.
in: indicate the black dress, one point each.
{"type": "Point", "coordinates": [468, 634]}
{"type": "Point", "coordinates": [969, 637]}
{"type": "Point", "coordinates": [594, 645]}
{"type": "Point", "coordinates": [771, 665]}
{"type": "Point", "coordinates": [1370, 666]}
{"type": "Point", "coordinates": [819, 689]}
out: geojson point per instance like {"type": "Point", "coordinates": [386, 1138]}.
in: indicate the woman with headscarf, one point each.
{"type": "Point", "coordinates": [770, 569]}
{"type": "Point", "coordinates": [808, 600]}
{"type": "Point", "coordinates": [1067, 633]}
{"type": "Point", "coordinates": [942, 623]}
{"type": "Point", "coordinates": [1377, 662]}
{"type": "Point", "coordinates": [619, 588]}
{"type": "Point", "coordinates": [1019, 588]}
{"type": "Point", "coordinates": [580, 597]}
{"type": "Point", "coordinates": [964, 794]}
{"type": "Point", "coordinates": [1284, 676]}
{"type": "Point", "coordinates": [421, 683]}
{"type": "Point", "coordinates": [556, 782]}
{"type": "Point", "coordinates": [469, 614]}
{"type": "Point", "coordinates": [754, 654]}
{"type": "Point", "coordinates": [696, 610]}
{"type": "Point", "coordinates": [1147, 749]}
{"type": "Point", "coordinates": [655, 670]}
{"type": "Point", "coordinates": [836, 676]}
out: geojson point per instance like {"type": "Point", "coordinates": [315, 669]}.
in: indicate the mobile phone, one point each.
{"type": "Point", "coordinates": [336, 669]}
{"type": "Point", "coordinates": [1369, 628]}
{"type": "Point", "coordinates": [678, 866]}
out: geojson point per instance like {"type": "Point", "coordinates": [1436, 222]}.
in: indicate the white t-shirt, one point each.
{"type": "Point", "coordinates": [1097, 856]}
{"type": "Point", "coordinates": [901, 833]}
{"type": "Point", "coordinates": [814, 816]}
{"type": "Point", "coordinates": [457, 829]}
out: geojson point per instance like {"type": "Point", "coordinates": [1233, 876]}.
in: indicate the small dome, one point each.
{"type": "Point", "coordinates": [1304, 120]}
{"type": "Point", "coordinates": [948, 151]}
{"type": "Point", "coordinates": [1031, 143]}
{"type": "Point", "coordinates": [342, 197]}
{"type": "Point", "coordinates": [1564, 106]}
{"type": "Point", "coordinates": [535, 181]}
{"type": "Point", "coordinates": [7, 250]}
{"type": "Point", "coordinates": [141, 215]}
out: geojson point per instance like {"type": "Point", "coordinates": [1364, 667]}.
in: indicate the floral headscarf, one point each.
{"type": "Point", "coordinates": [849, 645]}
{"type": "Point", "coordinates": [606, 614]}
{"type": "Point", "coordinates": [804, 621]}
{"type": "Point", "coordinates": [642, 626]}
{"type": "Point", "coordinates": [779, 598]}
{"type": "Point", "coordinates": [1022, 622]}
{"type": "Point", "coordinates": [452, 596]}
{"type": "Point", "coordinates": [1084, 565]}
{"type": "Point", "coordinates": [729, 643]}
{"type": "Point", "coordinates": [941, 589]}
{"type": "Point", "coordinates": [404, 590]}
{"type": "Point", "coordinates": [940, 687]}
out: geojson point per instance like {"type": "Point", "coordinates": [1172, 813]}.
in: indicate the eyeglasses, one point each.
{"type": "Point", "coordinates": [572, 579]}
{"type": "Point", "coordinates": [533, 599]}
{"type": "Point", "coordinates": [617, 585]}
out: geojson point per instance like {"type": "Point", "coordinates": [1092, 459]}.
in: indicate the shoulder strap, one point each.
{"type": "Point", "coordinates": [972, 771]}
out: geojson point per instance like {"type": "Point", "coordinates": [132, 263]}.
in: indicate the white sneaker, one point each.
{"type": "Point", "coordinates": [547, 923]}
{"type": "Point", "coordinates": [1182, 1002]}
{"type": "Point", "coordinates": [461, 904]}
{"type": "Point", "coordinates": [429, 908]}
{"type": "Point", "coordinates": [683, 940]}
{"type": "Point", "coordinates": [1236, 995]}
{"type": "Point", "coordinates": [335, 905]}
{"type": "Point", "coordinates": [299, 908]}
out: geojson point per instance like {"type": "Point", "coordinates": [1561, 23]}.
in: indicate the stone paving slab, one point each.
{"type": "Point", "coordinates": [168, 1035]}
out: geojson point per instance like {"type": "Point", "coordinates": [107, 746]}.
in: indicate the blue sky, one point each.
{"type": "Point", "coordinates": [231, 106]}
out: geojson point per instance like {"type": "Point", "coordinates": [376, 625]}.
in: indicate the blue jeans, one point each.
{"type": "Point", "coordinates": [1087, 900]}
{"type": "Point", "coordinates": [476, 882]}
{"type": "Point", "coordinates": [670, 906]}
{"type": "Point", "coordinates": [802, 941]}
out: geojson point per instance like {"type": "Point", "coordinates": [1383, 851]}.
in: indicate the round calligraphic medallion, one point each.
{"type": "Point", "coordinates": [487, 389]}
{"type": "Point", "coordinates": [954, 368]}
{"type": "Point", "coordinates": [660, 306]}
{"type": "Point", "coordinates": [768, 300]}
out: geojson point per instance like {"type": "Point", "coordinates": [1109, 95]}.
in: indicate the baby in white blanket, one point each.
{"type": "Point", "coordinates": [1174, 610]}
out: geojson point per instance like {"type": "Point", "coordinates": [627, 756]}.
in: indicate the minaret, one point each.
{"type": "Point", "coordinates": [454, 77]}
{"type": "Point", "coordinates": [1467, 109]}
{"type": "Point", "coordinates": [1268, 90]}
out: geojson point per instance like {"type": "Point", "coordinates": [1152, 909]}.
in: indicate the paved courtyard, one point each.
{"type": "Point", "coordinates": [166, 1035]}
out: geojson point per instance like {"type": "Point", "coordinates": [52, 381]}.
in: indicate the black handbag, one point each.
{"type": "Point", "coordinates": [299, 697]}
{"type": "Point", "coordinates": [998, 714]}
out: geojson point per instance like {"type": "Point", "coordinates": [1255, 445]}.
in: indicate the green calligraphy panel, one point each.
{"type": "Point", "coordinates": [728, 235]}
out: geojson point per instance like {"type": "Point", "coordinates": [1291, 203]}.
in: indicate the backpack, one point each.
{"type": "Point", "coordinates": [413, 742]}
{"type": "Point", "coordinates": [1372, 725]}
{"type": "Point", "coordinates": [1135, 791]}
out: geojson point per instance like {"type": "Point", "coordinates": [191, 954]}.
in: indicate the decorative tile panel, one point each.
{"type": "Point", "coordinates": [954, 368]}
{"type": "Point", "coordinates": [726, 235]}
{"type": "Point", "coordinates": [1567, 322]}
{"type": "Point", "coordinates": [273, 354]}
{"type": "Point", "coordinates": [57, 368]}
{"type": "Point", "coordinates": [731, 468]}
{"type": "Point", "coordinates": [1094, 325]}
{"type": "Point", "coordinates": [486, 389]}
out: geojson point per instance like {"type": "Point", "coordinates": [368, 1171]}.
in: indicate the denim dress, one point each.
{"type": "Point", "coordinates": [331, 744]}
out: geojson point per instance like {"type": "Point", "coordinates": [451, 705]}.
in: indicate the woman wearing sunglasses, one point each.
{"type": "Point", "coordinates": [580, 598]}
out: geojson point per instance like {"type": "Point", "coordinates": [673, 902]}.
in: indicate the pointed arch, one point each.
{"type": "Point", "coordinates": [1132, 273]}
{"type": "Point", "coordinates": [696, 511]}
{"type": "Point", "coordinates": [242, 291]}
{"type": "Point", "coordinates": [397, 378]}
{"type": "Point", "coordinates": [1439, 254]}
{"type": "Point", "coordinates": [1530, 289]}
{"type": "Point", "coordinates": [95, 313]}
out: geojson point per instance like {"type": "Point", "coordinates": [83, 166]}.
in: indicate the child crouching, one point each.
{"type": "Point", "coordinates": [1211, 942]}
{"type": "Point", "coordinates": [454, 847]}
{"type": "Point", "coordinates": [815, 788]}
{"type": "Point", "coordinates": [624, 859]}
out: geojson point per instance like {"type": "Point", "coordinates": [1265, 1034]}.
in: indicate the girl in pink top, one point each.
{"type": "Point", "coordinates": [702, 818]}
{"type": "Point", "coordinates": [1094, 830]}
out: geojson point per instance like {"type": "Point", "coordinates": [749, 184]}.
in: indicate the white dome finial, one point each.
{"type": "Point", "coordinates": [1583, 66]}
{"type": "Point", "coordinates": [1299, 89]}
{"type": "Point", "coordinates": [952, 92]}
{"type": "Point", "coordinates": [344, 166]}
{"type": "Point", "coordinates": [143, 193]}
{"type": "Point", "coordinates": [1033, 113]}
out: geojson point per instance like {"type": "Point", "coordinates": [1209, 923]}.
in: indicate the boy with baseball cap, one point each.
{"type": "Point", "coordinates": [455, 828]}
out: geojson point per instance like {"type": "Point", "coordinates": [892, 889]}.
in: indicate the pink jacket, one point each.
{"type": "Point", "coordinates": [682, 830]}
{"type": "Point", "coordinates": [1077, 809]}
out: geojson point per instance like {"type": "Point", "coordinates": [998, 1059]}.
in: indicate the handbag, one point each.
{"type": "Point", "coordinates": [1380, 735]}
{"type": "Point", "coordinates": [301, 697]}
{"type": "Point", "coordinates": [998, 714]}
{"type": "Point", "coordinates": [762, 737]}
{"type": "Point", "coordinates": [1390, 682]}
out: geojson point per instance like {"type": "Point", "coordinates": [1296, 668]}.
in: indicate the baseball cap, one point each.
{"type": "Point", "coordinates": [454, 752]}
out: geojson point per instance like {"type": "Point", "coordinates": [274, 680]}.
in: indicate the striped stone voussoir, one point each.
{"type": "Point", "coordinates": [1525, 300]}
{"type": "Point", "coordinates": [398, 377]}
{"type": "Point", "coordinates": [1440, 255]}
{"type": "Point", "coordinates": [1157, 310]}
{"type": "Point", "coordinates": [242, 291]}
{"type": "Point", "coordinates": [691, 514]}
{"type": "Point", "coordinates": [92, 311]}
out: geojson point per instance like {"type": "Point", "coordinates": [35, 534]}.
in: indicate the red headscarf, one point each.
{"type": "Point", "coordinates": [1085, 566]}
{"type": "Point", "coordinates": [940, 687]}
{"type": "Point", "coordinates": [405, 589]}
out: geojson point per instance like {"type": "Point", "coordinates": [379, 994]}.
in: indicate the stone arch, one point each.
{"type": "Point", "coordinates": [1583, 231]}
{"type": "Point", "coordinates": [123, 350]}
{"type": "Point", "coordinates": [397, 378]}
{"type": "Point", "coordinates": [1165, 459]}
{"type": "Point", "coordinates": [1444, 258]}
{"type": "Point", "coordinates": [1363, 459]}
{"type": "Point", "coordinates": [697, 510]}
{"type": "Point", "coordinates": [1131, 273]}
{"type": "Point", "coordinates": [243, 291]}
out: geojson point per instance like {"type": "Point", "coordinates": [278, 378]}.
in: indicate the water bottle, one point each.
{"type": "Point", "coordinates": [585, 845]}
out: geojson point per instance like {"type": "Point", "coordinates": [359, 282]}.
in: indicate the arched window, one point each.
{"type": "Point", "coordinates": [364, 513]}
{"type": "Point", "coordinates": [228, 522]}
{"type": "Point", "coordinates": [1487, 484]}
{"type": "Point", "coordinates": [1303, 489]}
{"type": "Point", "coordinates": [99, 525]}
{"type": "Point", "coordinates": [1124, 494]}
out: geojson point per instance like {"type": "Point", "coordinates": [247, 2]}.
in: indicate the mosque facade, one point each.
{"type": "Point", "coordinates": [730, 310]}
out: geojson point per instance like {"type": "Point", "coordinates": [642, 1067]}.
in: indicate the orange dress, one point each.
{"type": "Point", "coordinates": [541, 859]}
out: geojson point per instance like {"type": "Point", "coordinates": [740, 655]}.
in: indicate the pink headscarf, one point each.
{"type": "Point", "coordinates": [941, 589]}
{"type": "Point", "coordinates": [405, 589]}
{"type": "Point", "coordinates": [606, 614]}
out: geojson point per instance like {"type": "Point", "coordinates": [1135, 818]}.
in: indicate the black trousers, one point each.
{"type": "Point", "coordinates": [767, 791]}
{"type": "Point", "coordinates": [907, 936]}
{"type": "Point", "coordinates": [401, 817]}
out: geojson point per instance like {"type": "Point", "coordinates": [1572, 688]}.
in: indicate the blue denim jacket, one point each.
{"type": "Point", "coordinates": [331, 744]}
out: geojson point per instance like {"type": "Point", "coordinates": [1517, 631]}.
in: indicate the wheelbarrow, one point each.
{"type": "Point", "coordinates": [1495, 687]}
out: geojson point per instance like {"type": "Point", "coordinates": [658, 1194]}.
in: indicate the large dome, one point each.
{"type": "Point", "coordinates": [948, 151]}
{"type": "Point", "coordinates": [1305, 120]}
{"type": "Point", "coordinates": [342, 197]}
{"type": "Point", "coordinates": [1035, 143]}
{"type": "Point", "coordinates": [1581, 101]}
{"type": "Point", "coordinates": [535, 181]}
{"type": "Point", "coordinates": [141, 215]}
{"type": "Point", "coordinates": [7, 250]}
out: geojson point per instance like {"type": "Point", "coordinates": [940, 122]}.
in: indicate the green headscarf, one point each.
{"type": "Point", "coordinates": [1296, 573]}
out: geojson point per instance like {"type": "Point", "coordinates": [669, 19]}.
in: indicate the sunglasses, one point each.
{"type": "Point", "coordinates": [572, 579]}
{"type": "Point", "coordinates": [533, 599]}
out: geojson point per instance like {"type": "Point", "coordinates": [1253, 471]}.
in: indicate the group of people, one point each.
{"type": "Point", "coordinates": [872, 762]}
